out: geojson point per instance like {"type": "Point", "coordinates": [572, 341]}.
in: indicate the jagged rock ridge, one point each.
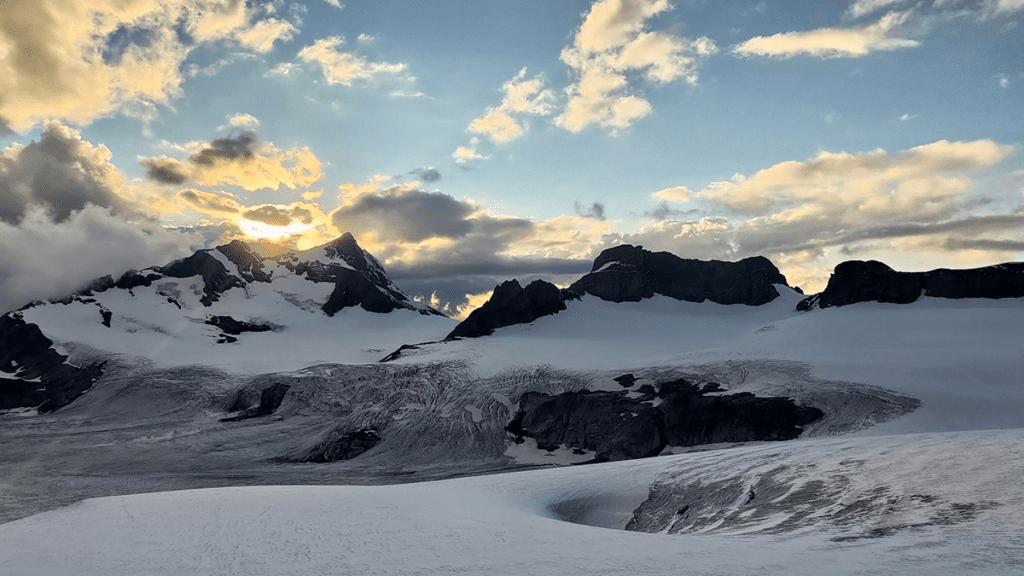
{"type": "Point", "coordinates": [871, 281]}
{"type": "Point", "coordinates": [629, 274]}
{"type": "Point", "coordinates": [511, 304]}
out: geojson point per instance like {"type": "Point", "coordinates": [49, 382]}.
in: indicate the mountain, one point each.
{"type": "Point", "coordinates": [629, 273]}
{"type": "Point", "coordinates": [227, 307]}
{"type": "Point", "coordinates": [867, 436]}
{"type": "Point", "coordinates": [856, 281]}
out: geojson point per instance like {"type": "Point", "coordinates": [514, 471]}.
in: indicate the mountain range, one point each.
{"type": "Point", "coordinates": [231, 368]}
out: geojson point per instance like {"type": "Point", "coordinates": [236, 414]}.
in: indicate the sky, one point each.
{"type": "Point", "coordinates": [466, 143]}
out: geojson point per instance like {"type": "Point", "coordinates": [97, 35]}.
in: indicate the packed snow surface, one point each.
{"type": "Point", "coordinates": [925, 504]}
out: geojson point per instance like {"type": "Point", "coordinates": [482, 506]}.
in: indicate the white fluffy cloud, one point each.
{"type": "Point", "coordinates": [345, 67]}
{"type": "Point", "coordinates": [613, 44]}
{"type": "Point", "coordinates": [523, 98]}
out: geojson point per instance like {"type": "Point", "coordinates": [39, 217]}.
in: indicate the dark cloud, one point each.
{"type": "Point", "coordinates": [595, 211]}
{"type": "Point", "coordinates": [795, 239]}
{"type": "Point", "coordinates": [241, 147]}
{"type": "Point", "coordinates": [62, 174]}
{"type": "Point", "coordinates": [277, 216]}
{"type": "Point", "coordinates": [271, 215]}
{"type": "Point", "coordinates": [664, 211]}
{"type": "Point", "coordinates": [164, 170]}
{"type": "Point", "coordinates": [426, 174]}
{"type": "Point", "coordinates": [955, 244]}
{"type": "Point", "coordinates": [209, 201]}
{"type": "Point", "coordinates": [405, 215]}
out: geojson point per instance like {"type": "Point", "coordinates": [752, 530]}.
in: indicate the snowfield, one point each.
{"type": "Point", "coordinates": [923, 504]}
{"type": "Point", "coordinates": [938, 490]}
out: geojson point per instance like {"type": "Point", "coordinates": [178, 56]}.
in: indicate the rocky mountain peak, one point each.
{"type": "Point", "coordinates": [629, 273]}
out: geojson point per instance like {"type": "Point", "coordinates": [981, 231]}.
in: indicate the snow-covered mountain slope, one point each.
{"type": "Point", "coordinates": [926, 398]}
{"type": "Point", "coordinates": [943, 504]}
{"type": "Point", "coordinates": [232, 309]}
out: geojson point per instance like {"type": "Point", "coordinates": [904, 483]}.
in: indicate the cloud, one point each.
{"type": "Point", "coordinates": [335, 3]}
{"type": "Point", "coordinates": [899, 25]}
{"type": "Point", "coordinates": [612, 44]}
{"type": "Point", "coordinates": [230, 148]}
{"type": "Point", "coordinates": [341, 67]}
{"type": "Point", "coordinates": [523, 98]}
{"type": "Point", "coordinates": [1003, 80]}
{"type": "Point", "coordinates": [241, 160]}
{"type": "Point", "coordinates": [426, 173]}
{"type": "Point", "coordinates": [922, 181]}
{"type": "Point", "coordinates": [832, 42]}
{"type": "Point", "coordinates": [68, 216]}
{"type": "Point", "coordinates": [674, 194]}
{"type": "Point", "coordinates": [433, 236]}
{"type": "Point", "coordinates": [594, 211]}
{"type": "Point", "coordinates": [864, 7]}
{"type": "Point", "coordinates": [210, 202]}
{"type": "Point", "coordinates": [40, 259]}
{"type": "Point", "coordinates": [463, 155]}
{"type": "Point", "coordinates": [278, 215]}
{"type": "Point", "coordinates": [165, 170]}
{"type": "Point", "coordinates": [498, 126]}
{"type": "Point", "coordinates": [78, 61]}
{"type": "Point", "coordinates": [262, 35]}
{"type": "Point", "coordinates": [243, 121]}
{"type": "Point", "coordinates": [285, 70]}
{"type": "Point", "coordinates": [60, 174]}
{"type": "Point", "coordinates": [405, 214]}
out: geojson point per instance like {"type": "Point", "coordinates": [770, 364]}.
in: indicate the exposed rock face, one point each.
{"type": "Point", "coordinates": [629, 274]}
{"type": "Point", "coordinates": [511, 304]}
{"type": "Point", "coordinates": [33, 374]}
{"type": "Point", "coordinates": [231, 327]}
{"type": "Point", "coordinates": [359, 278]}
{"type": "Point", "coordinates": [617, 427]}
{"type": "Point", "coordinates": [857, 281]}
{"type": "Point", "coordinates": [216, 279]}
{"type": "Point", "coordinates": [250, 264]}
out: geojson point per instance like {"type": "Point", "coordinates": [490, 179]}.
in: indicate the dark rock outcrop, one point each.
{"type": "Point", "coordinates": [511, 304]}
{"type": "Point", "coordinates": [133, 279]}
{"type": "Point", "coordinates": [33, 374]}
{"type": "Point", "coordinates": [617, 427]}
{"type": "Point", "coordinates": [229, 325]}
{"type": "Point", "coordinates": [216, 279]}
{"type": "Point", "coordinates": [629, 274]}
{"type": "Point", "coordinates": [270, 400]}
{"type": "Point", "coordinates": [858, 281]}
